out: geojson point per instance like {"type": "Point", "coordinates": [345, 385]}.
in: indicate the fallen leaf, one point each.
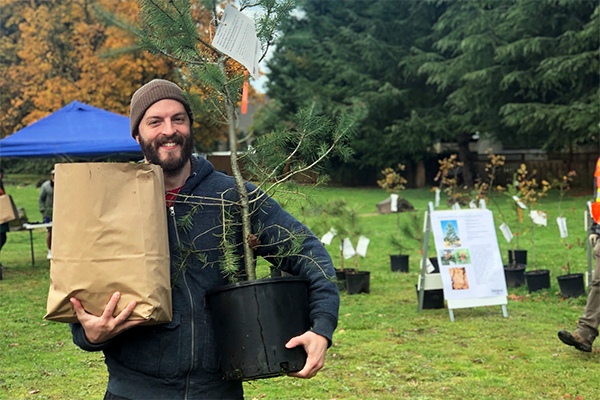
{"type": "Point", "coordinates": [263, 395]}
{"type": "Point", "coordinates": [34, 391]}
{"type": "Point", "coordinates": [347, 315]}
{"type": "Point", "coordinates": [13, 344]}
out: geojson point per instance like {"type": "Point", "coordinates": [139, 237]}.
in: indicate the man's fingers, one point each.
{"type": "Point", "coordinates": [293, 342]}
{"type": "Point", "coordinates": [123, 315]}
{"type": "Point", "coordinates": [112, 305]}
{"type": "Point", "coordinates": [79, 310]}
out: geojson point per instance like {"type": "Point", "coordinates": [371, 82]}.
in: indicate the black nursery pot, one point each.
{"type": "Point", "coordinates": [537, 280]}
{"type": "Point", "coordinates": [253, 321]}
{"type": "Point", "coordinates": [519, 257]}
{"type": "Point", "coordinates": [571, 285]}
{"type": "Point", "coordinates": [432, 299]}
{"type": "Point", "coordinates": [358, 282]}
{"type": "Point", "coordinates": [340, 276]}
{"type": "Point", "coordinates": [514, 275]}
{"type": "Point", "coordinates": [399, 263]}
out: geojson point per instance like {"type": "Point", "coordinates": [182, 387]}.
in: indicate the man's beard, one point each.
{"type": "Point", "coordinates": [171, 165]}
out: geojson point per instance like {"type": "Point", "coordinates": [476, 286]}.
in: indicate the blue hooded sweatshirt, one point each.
{"type": "Point", "coordinates": [179, 360]}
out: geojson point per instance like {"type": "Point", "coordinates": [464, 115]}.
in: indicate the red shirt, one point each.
{"type": "Point", "coordinates": [171, 195]}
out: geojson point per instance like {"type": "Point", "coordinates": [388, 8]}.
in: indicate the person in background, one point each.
{"type": "Point", "coordinates": [4, 226]}
{"type": "Point", "coordinates": [46, 203]}
{"type": "Point", "coordinates": [587, 327]}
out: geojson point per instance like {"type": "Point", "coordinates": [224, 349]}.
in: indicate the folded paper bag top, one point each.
{"type": "Point", "coordinates": [109, 234]}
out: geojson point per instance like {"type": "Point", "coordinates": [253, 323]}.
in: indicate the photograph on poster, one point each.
{"type": "Point", "coordinates": [451, 235]}
{"type": "Point", "coordinates": [455, 257]}
{"type": "Point", "coordinates": [458, 276]}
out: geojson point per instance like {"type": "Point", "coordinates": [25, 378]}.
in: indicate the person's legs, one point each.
{"type": "Point", "coordinates": [2, 241]}
{"type": "Point", "coordinates": [49, 242]}
{"type": "Point", "coordinates": [589, 321]}
{"type": "Point", "coordinates": [587, 327]}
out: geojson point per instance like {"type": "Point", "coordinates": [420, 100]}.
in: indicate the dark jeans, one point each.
{"type": "Point", "coordinates": [110, 396]}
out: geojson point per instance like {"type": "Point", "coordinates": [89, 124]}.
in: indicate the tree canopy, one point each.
{"type": "Point", "coordinates": [416, 72]}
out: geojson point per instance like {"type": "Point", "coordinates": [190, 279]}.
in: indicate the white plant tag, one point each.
{"type": "Point", "coordinates": [505, 229]}
{"type": "Point", "coordinates": [236, 37]}
{"type": "Point", "coordinates": [472, 204]}
{"type": "Point", "coordinates": [539, 217]}
{"type": "Point", "coordinates": [428, 266]}
{"type": "Point", "coordinates": [456, 206]}
{"type": "Point", "coordinates": [361, 247]}
{"type": "Point", "coordinates": [328, 237]}
{"type": "Point", "coordinates": [347, 249]}
{"type": "Point", "coordinates": [437, 197]}
{"type": "Point", "coordinates": [394, 202]}
{"type": "Point", "coordinates": [562, 226]}
{"type": "Point", "coordinates": [519, 202]}
{"type": "Point", "coordinates": [482, 204]}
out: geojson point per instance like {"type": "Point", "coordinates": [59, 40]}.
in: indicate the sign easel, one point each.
{"type": "Point", "coordinates": [435, 281]}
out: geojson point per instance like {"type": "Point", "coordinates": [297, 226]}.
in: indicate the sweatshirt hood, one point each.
{"type": "Point", "coordinates": [201, 168]}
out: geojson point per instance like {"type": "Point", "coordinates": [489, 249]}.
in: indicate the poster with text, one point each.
{"type": "Point", "coordinates": [468, 254]}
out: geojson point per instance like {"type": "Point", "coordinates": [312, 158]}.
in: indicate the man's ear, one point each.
{"type": "Point", "coordinates": [137, 138]}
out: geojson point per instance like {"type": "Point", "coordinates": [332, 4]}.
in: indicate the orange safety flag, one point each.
{"type": "Point", "coordinates": [596, 204]}
{"type": "Point", "coordinates": [245, 93]}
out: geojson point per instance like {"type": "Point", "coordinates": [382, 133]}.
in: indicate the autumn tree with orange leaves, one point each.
{"type": "Point", "coordinates": [55, 52]}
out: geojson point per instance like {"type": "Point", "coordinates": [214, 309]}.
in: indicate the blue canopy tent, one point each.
{"type": "Point", "coordinates": [76, 130]}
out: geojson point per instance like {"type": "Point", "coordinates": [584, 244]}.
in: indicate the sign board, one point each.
{"type": "Point", "coordinates": [468, 254]}
{"type": "Point", "coordinates": [469, 258]}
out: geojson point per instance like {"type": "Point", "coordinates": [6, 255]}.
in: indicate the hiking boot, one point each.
{"type": "Point", "coordinates": [575, 339]}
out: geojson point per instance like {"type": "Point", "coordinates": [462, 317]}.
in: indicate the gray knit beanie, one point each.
{"type": "Point", "coordinates": [150, 93]}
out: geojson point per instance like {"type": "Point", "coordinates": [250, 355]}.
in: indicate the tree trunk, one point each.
{"type": "Point", "coordinates": [463, 156]}
{"type": "Point", "coordinates": [420, 176]}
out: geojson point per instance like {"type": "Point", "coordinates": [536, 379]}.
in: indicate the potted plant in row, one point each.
{"type": "Point", "coordinates": [448, 177]}
{"type": "Point", "coordinates": [393, 182]}
{"type": "Point", "coordinates": [531, 191]}
{"type": "Point", "coordinates": [249, 350]}
{"type": "Point", "coordinates": [343, 223]}
{"type": "Point", "coordinates": [571, 284]}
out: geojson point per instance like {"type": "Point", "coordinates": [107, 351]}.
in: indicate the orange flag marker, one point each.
{"type": "Point", "coordinates": [245, 93]}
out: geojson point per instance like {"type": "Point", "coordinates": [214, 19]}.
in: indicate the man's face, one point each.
{"type": "Point", "coordinates": [165, 136]}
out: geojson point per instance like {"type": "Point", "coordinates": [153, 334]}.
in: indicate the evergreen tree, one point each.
{"type": "Point", "coordinates": [451, 236]}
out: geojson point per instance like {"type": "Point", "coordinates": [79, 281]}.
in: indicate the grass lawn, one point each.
{"type": "Point", "coordinates": [383, 348]}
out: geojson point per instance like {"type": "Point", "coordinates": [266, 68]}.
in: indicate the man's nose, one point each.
{"type": "Point", "coordinates": [169, 127]}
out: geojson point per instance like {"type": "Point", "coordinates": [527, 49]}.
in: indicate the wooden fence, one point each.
{"type": "Point", "coordinates": [555, 166]}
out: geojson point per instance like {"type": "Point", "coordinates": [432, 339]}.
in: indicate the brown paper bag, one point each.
{"type": "Point", "coordinates": [8, 211]}
{"type": "Point", "coordinates": [109, 234]}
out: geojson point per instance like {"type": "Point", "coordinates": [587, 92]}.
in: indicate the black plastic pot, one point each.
{"type": "Point", "coordinates": [519, 257]}
{"type": "Point", "coordinates": [436, 265]}
{"type": "Point", "coordinates": [358, 282]}
{"type": "Point", "coordinates": [340, 276]}
{"type": "Point", "coordinates": [399, 263]}
{"type": "Point", "coordinates": [537, 280]}
{"type": "Point", "coordinates": [432, 299]}
{"type": "Point", "coordinates": [514, 275]}
{"type": "Point", "coordinates": [571, 285]}
{"type": "Point", "coordinates": [253, 321]}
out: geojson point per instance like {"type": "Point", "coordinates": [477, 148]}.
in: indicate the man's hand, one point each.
{"type": "Point", "coordinates": [315, 346]}
{"type": "Point", "coordinates": [105, 327]}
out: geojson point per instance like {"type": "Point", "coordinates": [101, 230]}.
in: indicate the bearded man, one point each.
{"type": "Point", "coordinates": [180, 360]}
